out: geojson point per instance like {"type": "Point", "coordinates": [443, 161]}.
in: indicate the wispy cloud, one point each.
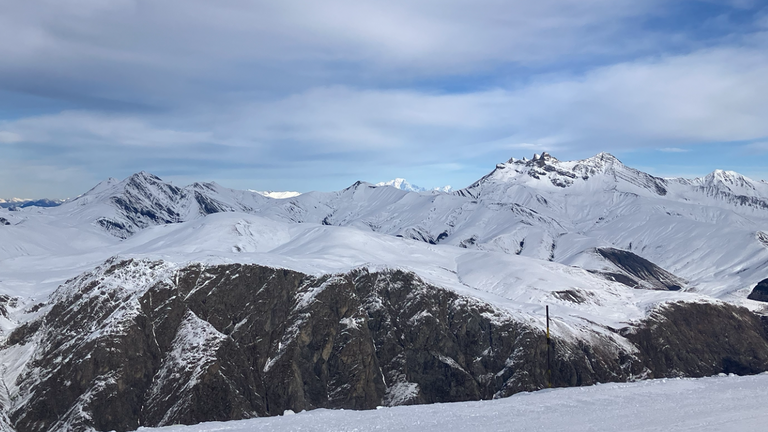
{"type": "Point", "coordinates": [757, 147]}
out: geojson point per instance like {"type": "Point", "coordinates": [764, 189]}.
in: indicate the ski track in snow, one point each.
{"type": "Point", "coordinates": [723, 403]}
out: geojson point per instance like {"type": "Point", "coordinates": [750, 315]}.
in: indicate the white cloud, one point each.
{"type": "Point", "coordinates": [707, 96]}
{"type": "Point", "coordinates": [79, 128]}
{"type": "Point", "coordinates": [268, 82]}
{"type": "Point", "coordinates": [9, 137]}
{"type": "Point", "coordinates": [168, 47]}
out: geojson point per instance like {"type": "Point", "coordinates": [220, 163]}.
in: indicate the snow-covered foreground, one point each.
{"type": "Point", "coordinates": [724, 403]}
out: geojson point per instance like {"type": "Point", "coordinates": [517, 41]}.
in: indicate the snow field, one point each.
{"type": "Point", "coordinates": [723, 403]}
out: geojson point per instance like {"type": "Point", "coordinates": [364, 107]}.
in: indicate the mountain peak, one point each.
{"type": "Point", "coordinates": [544, 156]}
{"type": "Point", "coordinates": [602, 159]}
{"type": "Point", "coordinates": [144, 176]}
{"type": "Point", "coordinates": [603, 169]}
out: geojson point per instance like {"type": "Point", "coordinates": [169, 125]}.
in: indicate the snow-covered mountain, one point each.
{"type": "Point", "coordinates": [277, 194]}
{"type": "Point", "coordinates": [403, 184]}
{"type": "Point", "coordinates": [160, 296]}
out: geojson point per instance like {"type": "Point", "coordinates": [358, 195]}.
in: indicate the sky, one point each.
{"type": "Point", "coordinates": [315, 95]}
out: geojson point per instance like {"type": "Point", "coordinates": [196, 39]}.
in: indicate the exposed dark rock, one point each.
{"type": "Point", "coordinates": [617, 277]}
{"type": "Point", "coordinates": [762, 238]}
{"type": "Point", "coordinates": [6, 302]}
{"type": "Point", "coordinates": [115, 228]}
{"type": "Point", "coordinates": [646, 274]}
{"type": "Point", "coordinates": [700, 339]}
{"type": "Point", "coordinates": [237, 341]}
{"type": "Point", "coordinates": [760, 292]}
{"type": "Point", "coordinates": [572, 296]}
{"type": "Point", "coordinates": [418, 233]}
{"type": "Point", "coordinates": [4, 221]}
{"type": "Point", "coordinates": [209, 205]}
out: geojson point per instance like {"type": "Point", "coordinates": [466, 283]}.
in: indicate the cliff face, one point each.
{"type": "Point", "coordinates": [142, 343]}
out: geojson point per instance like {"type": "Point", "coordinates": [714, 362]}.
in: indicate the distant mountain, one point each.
{"type": "Point", "coordinates": [21, 203]}
{"type": "Point", "coordinates": [123, 208]}
{"type": "Point", "coordinates": [276, 194]}
{"type": "Point", "coordinates": [402, 184]}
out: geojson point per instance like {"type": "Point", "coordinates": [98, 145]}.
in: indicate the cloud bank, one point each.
{"type": "Point", "coordinates": [258, 94]}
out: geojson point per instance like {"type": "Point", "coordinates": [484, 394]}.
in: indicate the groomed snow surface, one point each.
{"type": "Point", "coordinates": [723, 403]}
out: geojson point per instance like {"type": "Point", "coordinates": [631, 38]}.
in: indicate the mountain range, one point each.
{"type": "Point", "coordinates": [164, 298]}
{"type": "Point", "coordinates": [22, 202]}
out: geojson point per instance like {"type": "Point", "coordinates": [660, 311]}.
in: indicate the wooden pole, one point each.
{"type": "Point", "coordinates": [549, 367]}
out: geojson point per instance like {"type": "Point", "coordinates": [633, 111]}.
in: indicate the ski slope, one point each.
{"type": "Point", "coordinates": [715, 404]}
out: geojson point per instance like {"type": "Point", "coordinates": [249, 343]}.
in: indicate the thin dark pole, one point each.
{"type": "Point", "coordinates": [549, 367]}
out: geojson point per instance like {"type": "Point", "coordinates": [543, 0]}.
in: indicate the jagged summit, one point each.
{"type": "Point", "coordinates": [600, 172]}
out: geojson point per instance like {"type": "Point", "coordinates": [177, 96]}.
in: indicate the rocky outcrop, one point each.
{"type": "Point", "coordinates": [760, 291]}
{"type": "Point", "coordinates": [142, 343]}
{"type": "Point", "coordinates": [700, 339]}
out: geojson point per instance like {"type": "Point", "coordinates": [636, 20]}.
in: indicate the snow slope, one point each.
{"type": "Point", "coordinates": [725, 403]}
{"type": "Point", "coordinates": [520, 284]}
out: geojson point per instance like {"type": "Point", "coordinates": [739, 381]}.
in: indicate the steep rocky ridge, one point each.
{"type": "Point", "coordinates": [145, 343]}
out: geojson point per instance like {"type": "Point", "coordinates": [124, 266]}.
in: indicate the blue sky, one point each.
{"type": "Point", "coordinates": [301, 95]}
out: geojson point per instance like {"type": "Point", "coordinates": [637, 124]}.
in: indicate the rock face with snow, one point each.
{"type": "Point", "coordinates": [143, 200]}
{"type": "Point", "coordinates": [760, 292]}
{"type": "Point", "coordinates": [638, 272]}
{"type": "Point", "coordinates": [145, 343]}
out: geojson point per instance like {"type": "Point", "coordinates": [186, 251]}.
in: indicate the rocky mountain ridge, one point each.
{"type": "Point", "coordinates": [147, 343]}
